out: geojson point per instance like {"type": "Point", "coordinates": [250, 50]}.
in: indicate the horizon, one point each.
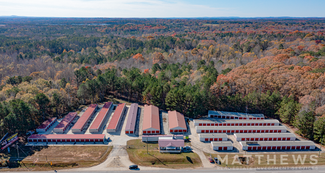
{"type": "Point", "coordinates": [161, 9]}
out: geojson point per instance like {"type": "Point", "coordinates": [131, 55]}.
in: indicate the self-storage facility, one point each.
{"type": "Point", "coordinates": [243, 129]}
{"type": "Point", "coordinates": [222, 146]}
{"type": "Point", "coordinates": [265, 137]}
{"type": "Point", "coordinates": [132, 119]}
{"type": "Point", "coordinates": [213, 137]}
{"type": "Point", "coordinates": [277, 145]}
{"type": "Point", "coordinates": [226, 122]}
{"type": "Point", "coordinates": [155, 138]}
{"type": "Point", "coordinates": [46, 125]}
{"type": "Point", "coordinates": [65, 122]}
{"type": "Point", "coordinates": [234, 115]}
{"type": "Point", "coordinates": [116, 118]}
{"type": "Point", "coordinates": [176, 122]}
{"type": "Point", "coordinates": [66, 138]}
{"type": "Point", "coordinates": [81, 123]}
{"type": "Point", "coordinates": [98, 122]}
{"type": "Point", "coordinates": [151, 120]}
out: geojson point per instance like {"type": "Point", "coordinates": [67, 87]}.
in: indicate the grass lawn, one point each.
{"type": "Point", "coordinates": [267, 159]}
{"type": "Point", "coordinates": [137, 151]}
{"type": "Point", "coordinates": [63, 157]}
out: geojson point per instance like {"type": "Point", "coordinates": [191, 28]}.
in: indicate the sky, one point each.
{"type": "Point", "coordinates": [163, 8]}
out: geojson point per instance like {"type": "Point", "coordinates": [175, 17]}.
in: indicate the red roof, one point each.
{"type": "Point", "coordinates": [67, 136]}
{"type": "Point", "coordinates": [171, 143]}
{"type": "Point", "coordinates": [85, 117]}
{"type": "Point", "coordinates": [116, 117]}
{"type": "Point", "coordinates": [46, 123]}
{"type": "Point", "coordinates": [66, 120]}
{"type": "Point", "coordinates": [151, 117]}
{"type": "Point", "coordinates": [176, 119]}
{"type": "Point", "coordinates": [101, 116]}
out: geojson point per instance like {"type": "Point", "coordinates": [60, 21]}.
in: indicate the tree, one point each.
{"type": "Point", "coordinates": [288, 109]}
{"type": "Point", "coordinates": [63, 82]}
{"type": "Point", "coordinates": [42, 101]}
{"type": "Point", "coordinates": [319, 130]}
{"type": "Point", "coordinates": [281, 46]}
{"type": "Point", "coordinates": [306, 124]}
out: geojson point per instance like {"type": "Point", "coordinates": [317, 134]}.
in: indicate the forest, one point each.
{"type": "Point", "coordinates": [274, 66]}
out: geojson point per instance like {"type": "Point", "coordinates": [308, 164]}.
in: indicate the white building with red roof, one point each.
{"type": "Point", "coordinates": [176, 122]}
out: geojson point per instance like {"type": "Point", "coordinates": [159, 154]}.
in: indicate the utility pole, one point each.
{"type": "Point", "coordinates": [17, 149]}
{"type": "Point", "coordinates": [147, 146]}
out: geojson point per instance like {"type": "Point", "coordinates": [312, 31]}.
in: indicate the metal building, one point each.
{"type": "Point", "coordinates": [222, 146]}
{"type": "Point", "coordinates": [176, 122]}
{"type": "Point", "coordinates": [213, 137]}
{"type": "Point", "coordinates": [265, 137]}
{"type": "Point", "coordinates": [243, 129]}
{"type": "Point", "coordinates": [98, 122]}
{"type": "Point", "coordinates": [234, 115]}
{"type": "Point", "coordinates": [46, 125]}
{"type": "Point", "coordinates": [116, 118]}
{"type": "Point", "coordinates": [151, 120]}
{"type": "Point", "coordinates": [81, 123]}
{"type": "Point", "coordinates": [277, 145]}
{"type": "Point", "coordinates": [227, 122]}
{"type": "Point", "coordinates": [65, 122]}
{"type": "Point", "coordinates": [132, 119]}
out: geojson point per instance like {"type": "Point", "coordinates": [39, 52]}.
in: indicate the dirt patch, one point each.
{"type": "Point", "coordinates": [63, 157]}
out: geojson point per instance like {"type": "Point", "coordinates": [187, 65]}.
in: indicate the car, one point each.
{"type": "Point", "coordinates": [187, 149]}
{"type": "Point", "coordinates": [133, 167]}
{"type": "Point", "coordinates": [211, 160]}
{"type": "Point", "coordinates": [216, 160]}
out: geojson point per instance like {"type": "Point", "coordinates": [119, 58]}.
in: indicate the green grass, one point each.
{"type": "Point", "coordinates": [137, 151]}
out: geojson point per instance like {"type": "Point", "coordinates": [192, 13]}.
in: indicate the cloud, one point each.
{"type": "Point", "coordinates": [108, 8]}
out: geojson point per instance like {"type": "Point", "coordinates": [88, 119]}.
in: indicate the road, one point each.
{"type": "Point", "coordinates": [296, 170]}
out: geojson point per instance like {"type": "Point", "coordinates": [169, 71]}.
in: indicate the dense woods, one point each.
{"type": "Point", "coordinates": [273, 66]}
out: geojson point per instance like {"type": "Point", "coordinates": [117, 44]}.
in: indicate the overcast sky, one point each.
{"type": "Point", "coordinates": [163, 8]}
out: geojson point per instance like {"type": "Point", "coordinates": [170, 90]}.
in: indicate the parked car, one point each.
{"type": "Point", "coordinates": [211, 160]}
{"type": "Point", "coordinates": [187, 149]}
{"type": "Point", "coordinates": [133, 167]}
{"type": "Point", "coordinates": [216, 160]}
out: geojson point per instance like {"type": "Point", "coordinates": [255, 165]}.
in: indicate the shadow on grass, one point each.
{"type": "Point", "coordinates": [189, 159]}
{"type": "Point", "coordinates": [157, 159]}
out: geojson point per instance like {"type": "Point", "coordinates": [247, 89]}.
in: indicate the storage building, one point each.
{"type": "Point", "coordinates": [243, 129]}
{"type": "Point", "coordinates": [234, 115]}
{"type": "Point", "coordinates": [176, 122]}
{"type": "Point", "coordinates": [277, 145]}
{"type": "Point", "coordinates": [81, 123]}
{"type": "Point", "coordinates": [222, 146]}
{"type": "Point", "coordinates": [46, 125]}
{"type": "Point", "coordinates": [155, 138]}
{"type": "Point", "coordinates": [65, 122]}
{"type": "Point", "coordinates": [213, 137]}
{"type": "Point", "coordinates": [151, 120]}
{"type": "Point", "coordinates": [132, 119]}
{"type": "Point", "coordinates": [98, 122]}
{"type": "Point", "coordinates": [66, 138]}
{"type": "Point", "coordinates": [265, 137]}
{"type": "Point", "coordinates": [226, 122]}
{"type": "Point", "coordinates": [116, 118]}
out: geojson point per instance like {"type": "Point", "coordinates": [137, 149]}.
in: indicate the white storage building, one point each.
{"type": "Point", "coordinates": [265, 137]}
{"type": "Point", "coordinates": [213, 137]}
{"type": "Point", "coordinates": [243, 129]}
{"type": "Point", "coordinates": [222, 146]}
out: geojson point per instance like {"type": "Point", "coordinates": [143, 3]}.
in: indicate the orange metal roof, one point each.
{"type": "Point", "coordinates": [101, 116]}
{"type": "Point", "coordinates": [116, 117]}
{"type": "Point", "coordinates": [151, 117]}
{"type": "Point", "coordinates": [85, 117]}
{"type": "Point", "coordinates": [176, 119]}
